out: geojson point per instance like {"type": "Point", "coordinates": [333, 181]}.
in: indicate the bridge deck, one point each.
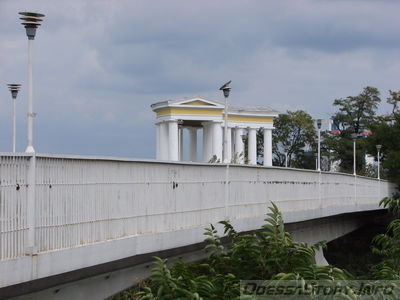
{"type": "Point", "coordinates": [62, 213]}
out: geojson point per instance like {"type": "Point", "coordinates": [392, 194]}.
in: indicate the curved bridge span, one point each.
{"type": "Point", "coordinates": [60, 214]}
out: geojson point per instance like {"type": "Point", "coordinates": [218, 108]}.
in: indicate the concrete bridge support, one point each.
{"type": "Point", "coordinates": [327, 229]}
{"type": "Point", "coordinates": [108, 279]}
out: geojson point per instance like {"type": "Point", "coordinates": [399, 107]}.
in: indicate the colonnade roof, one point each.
{"type": "Point", "coordinates": [204, 106]}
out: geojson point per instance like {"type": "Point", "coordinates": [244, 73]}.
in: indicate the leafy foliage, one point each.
{"type": "Point", "coordinates": [355, 113]}
{"type": "Point", "coordinates": [392, 204]}
{"type": "Point", "coordinates": [293, 132]}
{"type": "Point", "coordinates": [214, 160]}
{"type": "Point", "coordinates": [394, 100]}
{"type": "Point", "coordinates": [269, 253]}
{"type": "Point", "coordinates": [237, 158]}
{"type": "Point", "coordinates": [386, 133]}
{"type": "Point", "coordinates": [340, 148]}
{"type": "Point", "coordinates": [387, 245]}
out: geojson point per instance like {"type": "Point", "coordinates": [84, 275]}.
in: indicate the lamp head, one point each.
{"type": "Point", "coordinates": [31, 21]}
{"type": "Point", "coordinates": [226, 88]}
{"type": "Point", "coordinates": [14, 88]}
{"type": "Point", "coordinates": [319, 123]}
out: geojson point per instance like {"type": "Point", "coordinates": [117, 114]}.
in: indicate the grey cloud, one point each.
{"type": "Point", "coordinates": [98, 65]}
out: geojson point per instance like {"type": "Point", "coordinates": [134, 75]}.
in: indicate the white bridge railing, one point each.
{"type": "Point", "coordinates": [53, 202]}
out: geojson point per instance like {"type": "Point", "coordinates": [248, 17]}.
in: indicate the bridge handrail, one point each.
{"type": "Point", "coordinates": [50, 202]}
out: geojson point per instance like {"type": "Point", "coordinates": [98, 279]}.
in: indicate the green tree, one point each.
{"type": "Point", "coordinates": [294, 132]}
{"type": "Point", "coordinates": [387, 245]}
{"type": "Point", "coordinates": [355, 113]}
{"type": "Point", "coordinates": [386, 132]}
{"type": "Point", "coordinates": [394, 100]}
{"type": "Point", "coordinates": [340, 148]}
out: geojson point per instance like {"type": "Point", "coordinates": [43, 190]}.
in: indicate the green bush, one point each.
{"type": "Point", "coordinates": [269, 253]}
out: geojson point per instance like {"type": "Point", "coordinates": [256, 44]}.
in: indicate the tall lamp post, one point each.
{"type": "Point", "coordinates": [226, 89]}
{"type": "Point", "coordinates": [354, 137]}
{"type": "Point", "coordinates": [31, 21]}
{"type": "Point", "coordinates": [14, 88]}
{"type": "Point", "coordinates": [378, 148]}
{"type": "Point", "coordinates": [316, 161]}
{"type": "Point", "coordinates": [319, 123]}
{"type": "Point", "coordinates": [286, 159]}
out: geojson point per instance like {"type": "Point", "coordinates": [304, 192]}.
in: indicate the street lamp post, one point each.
{"type": "Point", "coordinates": [378, 148]}
{"type": "Point", "coordinates": [354, 137]}
{"type": "Point", "coordinates": [286, 159]}
{"type": "Point", "coordinates": [319, 123]}
{"type": "Point", "coordinates": [316, 161]}
{"type": "Point", "coordinates": [226, 89]}
{"type": "Point", "coordinates": [14, 88]}
{"type": "Point", "coordinates": [31, 21]}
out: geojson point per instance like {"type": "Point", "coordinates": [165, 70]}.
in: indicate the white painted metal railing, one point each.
{"type": "Point", "coordinates": [85, 200]}
{"type": "Point", "coordinates": [13, 206]}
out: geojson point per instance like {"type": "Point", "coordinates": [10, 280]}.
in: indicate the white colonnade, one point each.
{"type": "Point", "coordinates": [170, 142]}
{"type": "Point", "coordinates": [179, 123]}
{"type": "Point", "coordinates": [238, 145]}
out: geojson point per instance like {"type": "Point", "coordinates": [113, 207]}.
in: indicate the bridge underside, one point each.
{"type": "Point", "coordinates": [104, 280]}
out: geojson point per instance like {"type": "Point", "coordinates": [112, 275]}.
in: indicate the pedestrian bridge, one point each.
{"type": "Point", "coordinates": [59, 214]}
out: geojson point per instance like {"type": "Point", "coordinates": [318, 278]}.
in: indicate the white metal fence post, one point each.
{"type": "Point", "coordinates": [30, 207]}
{"type": "Point", "coordinates": [355, 190]}
{"type": "Point", "coordinates": [319, 189]}
{"type": "Point", "coordinates": [226, 192]}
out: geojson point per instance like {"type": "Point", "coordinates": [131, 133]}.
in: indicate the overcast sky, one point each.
{"type": "Point", "coordinates": [98, 65]}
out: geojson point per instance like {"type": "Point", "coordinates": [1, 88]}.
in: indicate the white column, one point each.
{"type": "Point", "coordinates": [173, 152]}
{"type": "Point", "coordinates": [193, 143]}
{"type": "Point", "coordinates": [252, 146]}
{"type": "Point", "coordinates": [228, 151]}
{"type": "Point", "coordinates": [239, 146]}
{"type": "Point", "coordinates": [232, 142]}
{"type": "Point", "coordinates": [180, 141]}
{"type": "Point", "coordinates": [163, 138]}
{"type": "Point", "coordinates": [267, 147]}
{"type": "Point", "coordinates": [217, 140]}
{"type": "Point", "coordinates": [157, 141]}
{"type": "Point", "coordinates": [207, 141]}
